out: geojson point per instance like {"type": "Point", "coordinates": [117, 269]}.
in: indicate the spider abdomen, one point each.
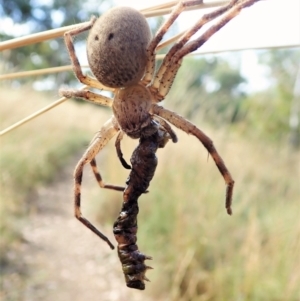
{"type": "Point", "coordinates": [116, 47]}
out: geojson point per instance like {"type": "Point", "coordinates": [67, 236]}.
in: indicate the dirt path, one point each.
{"type": "Point", "coordinates": [66, 261]}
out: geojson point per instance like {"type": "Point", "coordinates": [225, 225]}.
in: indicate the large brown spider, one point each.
{"type": "Point", "coordinates": [121, 55]}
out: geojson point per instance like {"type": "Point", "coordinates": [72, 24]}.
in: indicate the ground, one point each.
{"type": "Point", "coordinates": [65, 260]}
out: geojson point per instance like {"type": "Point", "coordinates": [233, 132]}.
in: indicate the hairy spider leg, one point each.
{"type": "Point", "coordinates": [183, 40]}
{"type": "Point", "coordinates": [170, 73]}
{"type": "Point", "coordinates": [99, 178]}
{"type": "Point", "coordinates": [190, 128]}
{"type": "Point", "coordinates": [150, 67]}
{"type": "Point", "coordinates": [85, 79]}
{"type": "Point", "coordinates": [107, 132]}
{"type": "Point", "coordinates": [88, 96]}
{"type": "Point", "coordinates": [101, 100]}
{"type": "Point", "coordinates": [155, 41]}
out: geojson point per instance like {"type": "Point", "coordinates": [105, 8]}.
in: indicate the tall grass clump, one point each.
{"type": "Point", "coordinates": [200, 252]}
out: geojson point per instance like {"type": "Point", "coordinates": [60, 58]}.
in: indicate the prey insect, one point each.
{"type": "Point", "coordinates": [144, 163]}
{"type": "Point", "coordinates": [121, 55]}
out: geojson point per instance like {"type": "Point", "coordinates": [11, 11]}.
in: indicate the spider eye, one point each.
{"type": "Point", "coordinates": [110, 36]}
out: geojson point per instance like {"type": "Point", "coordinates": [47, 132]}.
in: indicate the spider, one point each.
{"type": "Point", "coordinates": [121, 55]}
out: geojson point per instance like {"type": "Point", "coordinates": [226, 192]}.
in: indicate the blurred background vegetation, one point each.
{"type": "Point", "coordinates": [200, 253]}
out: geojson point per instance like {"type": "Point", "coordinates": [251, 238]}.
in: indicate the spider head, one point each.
{"type": "Point", "coordinates": [117, 47]}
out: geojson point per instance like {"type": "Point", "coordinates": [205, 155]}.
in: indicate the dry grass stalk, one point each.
{"type": "Point", "coordinates": [157, 10]}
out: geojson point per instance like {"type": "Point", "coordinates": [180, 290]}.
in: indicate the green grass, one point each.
{"type": "Point", "coordinates": [203, 254]}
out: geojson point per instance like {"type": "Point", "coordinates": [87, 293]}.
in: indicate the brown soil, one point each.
{"type": "Point", "coordinates": [63, 259]}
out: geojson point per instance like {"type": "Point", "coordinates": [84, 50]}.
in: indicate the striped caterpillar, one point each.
{"type": "Point", "coordinates": [144, 162]}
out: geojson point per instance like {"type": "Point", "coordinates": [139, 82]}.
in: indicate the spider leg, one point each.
{"type": "Point", "coordinates": [184, 39]}
{"type": "Point", "coordinates": [167, 128]}
{"type": "Point", "coordinates": [190, 128]}
{"type": "Point", "coordinates": [167, 72]}
{"type": "Point", "coordinates": [159, 35]}
{"type": "Point", "coordinates": [108, 130]}
{"type": "Point", "coordinates": [88, 96]}
{"type": "Point", "coordinates": [119, 151]}
{"type": "Point", "coordinates": [99, 178]}
{"type": "Point", "coordinates": [155, 41]}
{"type": "Point", "coordinates": [87, 80]}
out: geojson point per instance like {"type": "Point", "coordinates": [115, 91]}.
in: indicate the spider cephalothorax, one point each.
{"type": "Point", "coordinates": [121, 55]}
